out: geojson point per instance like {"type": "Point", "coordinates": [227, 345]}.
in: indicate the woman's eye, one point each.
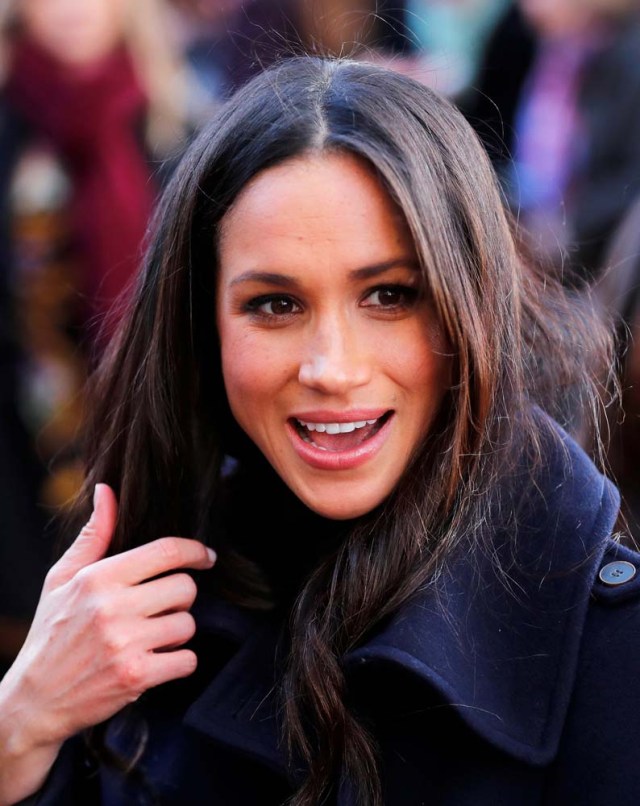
{"type": "Point", "coordinates": [273, 306]}
{"type": "Point", "coordinates": [391, 297]}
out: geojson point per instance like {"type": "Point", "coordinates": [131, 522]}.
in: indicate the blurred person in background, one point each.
{"type": "Point", "coordinates": [451, 36]}
{"type": "Point", "coordinates": [560, 87]}
{"type": "Point", "coordinates": [264, 31]}
{"type": "Point", "coordinates": [201, 27]}
{"type": "Point", "coordinates": [94, 100]}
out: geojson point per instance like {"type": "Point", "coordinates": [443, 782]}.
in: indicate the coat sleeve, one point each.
{"type": "Point", "coordinates": [72, 781]}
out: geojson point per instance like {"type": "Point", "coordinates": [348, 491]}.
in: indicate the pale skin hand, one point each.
{"type": "Point", "coordinates": [91, 647]}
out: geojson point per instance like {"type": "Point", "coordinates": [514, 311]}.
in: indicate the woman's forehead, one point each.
{"type": "Point", "coordinates": [323, 179]}
{"type": "Point", "coordinates": [320, 202]}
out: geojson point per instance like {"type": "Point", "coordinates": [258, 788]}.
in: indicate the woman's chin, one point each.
{"type": "Point", "coordinates": [337, 509]}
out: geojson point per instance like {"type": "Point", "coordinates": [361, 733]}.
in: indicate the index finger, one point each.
{"type": "Point", "coordinates": [157, 557]}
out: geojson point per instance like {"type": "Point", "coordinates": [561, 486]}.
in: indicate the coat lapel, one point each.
{"type": "Point", "coordinates": [238, 709]}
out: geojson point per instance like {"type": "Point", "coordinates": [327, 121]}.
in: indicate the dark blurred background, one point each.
{"type": "Point", "coordinates": [100, 97]}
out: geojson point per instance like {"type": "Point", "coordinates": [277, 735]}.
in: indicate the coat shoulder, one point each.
{"type": "Point", "coordinates": [600, 743]}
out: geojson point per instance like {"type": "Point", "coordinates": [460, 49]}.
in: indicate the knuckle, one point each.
{"type": "Point", "coordinates": [130, 673]}
{"type": "Point", "coordinates": [103, 608]}
{"type": "Point", "coordinates": [182, 628]}
{"type": "Point", "coordinates": [188, 626]}
{"type": "Point", "coordinates": [103, 624]}
{"type": "Point", "coordinates": [86, 582]}
{"type": "Point", "coordinates": [53, 578]}
{"type": "Point", "coordinates": [88, 531]}
{"type": "Point", "coordinates": [98, 614]}
{"type": "Point", "coordinates": [113, 641]}
{"type": "Point", "coordinates": [191, 661]}
{"type": "Point", "coordinates": [169, 550]}
{"type": "Point", "coordinates": [188, 588]}
{"type": "Point", "coordinates": [188, 662]}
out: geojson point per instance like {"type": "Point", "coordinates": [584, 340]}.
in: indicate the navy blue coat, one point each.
{"type": "Point", "coordinates": [521, 688]}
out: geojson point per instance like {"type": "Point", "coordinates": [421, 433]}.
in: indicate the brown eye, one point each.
{"type": "Point", "coordinates": [273, 306]}
{"type": "Point", "coordinates": [279, 307]}
{"type": "Point", "coordinates": [391, 296]}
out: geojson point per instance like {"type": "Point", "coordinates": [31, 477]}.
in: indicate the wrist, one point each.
{"type": "Point", "coordinates": [26, 756]}
{"type": "Point", "coordinates": [22, 723]}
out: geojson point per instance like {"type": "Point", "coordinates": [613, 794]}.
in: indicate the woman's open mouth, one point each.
{"type": "Point", "coordinates": [332, 445]}
{"type": "Point", "coordinates": [339, 436]}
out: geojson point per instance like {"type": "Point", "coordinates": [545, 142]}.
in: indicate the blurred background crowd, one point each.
{"type": "Point", "coordinates": [99, 97]}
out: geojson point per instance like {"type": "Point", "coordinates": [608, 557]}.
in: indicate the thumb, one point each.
{"type": "Point", "coordinates": [93, 541]}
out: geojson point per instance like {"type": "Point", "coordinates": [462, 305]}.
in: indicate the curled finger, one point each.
{"type": "Point", "coordinates": [165, 666]}
{"type": "Point", "coordinates": [170, 593]}
{"type": "Point", "coordinates": [171, 630]}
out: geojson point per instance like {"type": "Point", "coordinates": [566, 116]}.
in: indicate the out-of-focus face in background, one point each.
{"type": "Point", "coordinates": [558, 18]}
{"type": "Point", "coordinates": [208, 11]}
{"type": "Point", "coordinates": [76, 32]}
{"type": "Point", "coordinates": [555, 17]}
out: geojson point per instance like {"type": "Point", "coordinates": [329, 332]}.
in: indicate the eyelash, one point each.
{"type": "Point", "coordinates": [409, 296]}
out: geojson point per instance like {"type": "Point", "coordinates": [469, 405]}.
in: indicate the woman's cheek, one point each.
{"type": "Point", "coordinates": [239, 369]}
{"type": "Point", "coordinates": [253, 370]}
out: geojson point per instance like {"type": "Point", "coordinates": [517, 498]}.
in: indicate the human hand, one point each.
{"type": "Point", "coordinates": [93, 645]}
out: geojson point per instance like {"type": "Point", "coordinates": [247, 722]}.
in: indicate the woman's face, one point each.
{"type": "Point", "coordinates": [333, 361]}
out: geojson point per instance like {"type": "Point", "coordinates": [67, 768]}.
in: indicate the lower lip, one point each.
{"type": "Point", "coordinates": [339, 460]}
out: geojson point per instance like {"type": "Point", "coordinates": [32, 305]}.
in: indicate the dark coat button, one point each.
{"type": "Point", "coordinates": [617, 573]}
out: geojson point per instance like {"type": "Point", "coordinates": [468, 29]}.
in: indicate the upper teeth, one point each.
{"type": "Point", "coordinates": [336, 428]}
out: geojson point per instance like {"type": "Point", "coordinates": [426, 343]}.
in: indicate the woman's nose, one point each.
{"type": "Point", "coordinates": [334, 360]}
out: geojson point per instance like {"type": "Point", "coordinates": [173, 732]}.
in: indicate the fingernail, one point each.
{"type": "Point", "coordinates": [97, 497]}
{"type": "Point", "coordinates": [212, 555]}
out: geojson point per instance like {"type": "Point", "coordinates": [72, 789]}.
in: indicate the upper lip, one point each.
{"type": "Point", "coordinates": [327, 416]}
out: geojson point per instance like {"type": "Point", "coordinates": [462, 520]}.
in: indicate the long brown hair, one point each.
{"type": "Point", "coordinates": [160, 423]}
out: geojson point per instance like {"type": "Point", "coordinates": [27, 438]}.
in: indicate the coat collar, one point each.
{"type": "Point", "coordinates": [502, 651]}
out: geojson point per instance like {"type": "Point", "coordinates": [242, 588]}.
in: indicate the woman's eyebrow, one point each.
{"type": "Point", "coordinates": [267, 277]}
{"type": "Point", "coordinates": [287, 281]}
{"type": "Point", "coordinates": [367, 272]}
